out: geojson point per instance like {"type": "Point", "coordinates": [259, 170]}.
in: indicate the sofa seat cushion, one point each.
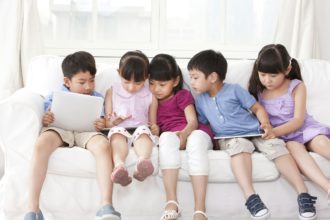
{"type": "Point", "coordinates": [79, 162]}
{"type": "Point", "coordinates": [220, 169]}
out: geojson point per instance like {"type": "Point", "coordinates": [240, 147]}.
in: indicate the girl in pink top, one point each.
{"type": "Point", "coordinates": [277, 83]}
{"type": "Point", "coordinates": [176, 117]}
{"type": "Point", "coordinates": [130, 107]}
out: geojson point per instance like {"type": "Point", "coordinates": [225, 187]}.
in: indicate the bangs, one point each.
{"type": "Point", "coordinates": [134, 70]}
{"type": "Point", "coordinates": [271, 62]}
{"type": "Point", "coordinates": [160, 71]}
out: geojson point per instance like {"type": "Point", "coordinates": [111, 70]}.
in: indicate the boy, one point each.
{"type": "Point", "coordinates": [227, 108]}
{"type": "Point", "coordinates": [79, 76]}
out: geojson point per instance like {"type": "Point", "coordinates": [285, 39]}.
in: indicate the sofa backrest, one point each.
{"type": "Point", "coordinates": [45, 75]}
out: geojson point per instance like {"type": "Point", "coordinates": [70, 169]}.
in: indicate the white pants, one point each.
{"type": "Point", "coordinates": [198, 144]}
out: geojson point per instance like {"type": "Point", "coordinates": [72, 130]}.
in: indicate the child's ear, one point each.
{"type": "Point", "coordinates": [213, 77]}
{"type": "Point", "coordinates": [176, 81]}
{"type": "Point", "coordinates": [67, 82]}
{"type": "Point", "coordinates": [288, 70]}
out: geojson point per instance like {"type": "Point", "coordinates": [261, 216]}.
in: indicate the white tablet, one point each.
{"type": "Point", "coordinates": [239, 136]}
{"type": "Point", "coordinates": [76, 112]}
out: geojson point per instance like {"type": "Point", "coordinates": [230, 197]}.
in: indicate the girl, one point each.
{"type": "Point", "coordinates": [277, 83]}
{"type": "Point", "coordinates": [177, 120]}
{"type": "Point", "coordinates": [130, 107]}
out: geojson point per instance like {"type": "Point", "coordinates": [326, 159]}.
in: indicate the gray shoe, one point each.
{"type": "Point", "coordinates": [34, 216]}
{"type": "Point", "coordinates": [107, 212]}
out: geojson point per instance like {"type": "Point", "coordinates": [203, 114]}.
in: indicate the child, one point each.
{"type": "Point", "coordinates": [79, 77]}
{"type": "Point", "coordinates": [177, 120]}
{"type": "Point", "coordinates": [277, 83]}
{"type": "Point", "coordinates": [130, 105]}
{"type": "Point", "coordinates": [226, 107]}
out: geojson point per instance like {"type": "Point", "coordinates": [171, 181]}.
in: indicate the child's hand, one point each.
{"type": "Point", "coordinates": [183, 139]}
{"type": "Point", "coordinates": [154, 129]}
{"type": "Point", "coordinates": [99, 124]}
{"type": "Point", "coordinates": [268, 129]}
{"type": "Point", "coordinates": [117, 119]}
{"type": "Point", "coordinates": [47, 118]}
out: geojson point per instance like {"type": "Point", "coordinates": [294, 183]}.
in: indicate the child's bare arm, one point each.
{"type": "Point", "coordinates": [99, 124]}
{"type": "Point", "coordinates": [192, 124]}
{"type": "Point", "coordinates": [47, 118]}
{"type": "Point", "coordinates": [262, 116]}
{"type": "Point", "coordinates": [153, 116]}
{"type": "Point", "coordinates": [108, 107]}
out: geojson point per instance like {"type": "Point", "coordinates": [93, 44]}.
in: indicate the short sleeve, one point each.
{"type": "Point", "coordinates": [244, 97]}
{"type": "Point", "coordinates": [200, 113]}
{"type": "Point", "coordinates": [184, 98]}
{"type": "Point", "coordinates": [48, 102]}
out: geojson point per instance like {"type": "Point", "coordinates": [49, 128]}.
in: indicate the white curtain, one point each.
{"type": "Point", "coordinates": [296, 28]}
{"type": "Point", "coordinates": [20, 40]}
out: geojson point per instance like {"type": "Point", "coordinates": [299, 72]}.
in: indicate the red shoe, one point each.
{"type": "Point", "coordinates": [120, 175]}
{"type": "Point", "coordinates": [144, 168]}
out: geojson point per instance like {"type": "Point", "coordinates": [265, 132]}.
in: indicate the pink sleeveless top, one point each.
{"type": "Point", "coordinates": [281, 110]}
{"type": "Point", "coordinates": [135, 104]}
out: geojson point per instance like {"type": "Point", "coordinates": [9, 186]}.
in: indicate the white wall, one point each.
{"type": "Point", "coordinates": [322, 12]}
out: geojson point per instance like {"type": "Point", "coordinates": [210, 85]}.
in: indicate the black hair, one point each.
{"type": "Point", "coordinates": [209, 61]}
{"type": "Point", "coordinates": [80, 61]}
{"type": "Point", "coordinates": [163, 67]}
{"type": "Point", "coordinates": [134, 65]}
{"type": "Point", "coordinates": [275, 59]}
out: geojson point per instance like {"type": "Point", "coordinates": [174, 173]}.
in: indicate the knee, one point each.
{"type": "Point", "coordinates": [169, 152]}
{"type": "Point", "coordinates": [198, 141]}
{"type": "Point", "coordinates": [117, 139]}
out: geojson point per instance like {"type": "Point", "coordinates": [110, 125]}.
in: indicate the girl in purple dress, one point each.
{"type": "Point", "coordinates": [180, 130]}
{"type": "Point", "coordinates": [277, 83]}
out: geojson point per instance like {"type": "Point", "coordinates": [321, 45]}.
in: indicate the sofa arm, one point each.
{"type": "Point", "coordinates": [20, 123]}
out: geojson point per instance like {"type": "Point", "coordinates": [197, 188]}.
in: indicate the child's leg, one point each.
{"type": "Point", "coordinates": [288, 168]}
{"type": "Point", "coordinates": [241, 165]}
{"type": "Point", "coordinates": [120, 148]}
{"type": "Point", "coordinates": [143, 146]}
{"type": "Point", "coordinates": [198, 144]}
{"type": "Point", "coordinates": [321, 145]}
{"type": "Point", "coordinates": [99, 146]}
{"type": "Point", "coordinates": [170, 162]}
{"type": "Point", "coordinates": [307, 165]}
{"type": "Point", "coordinates": [46, 144]}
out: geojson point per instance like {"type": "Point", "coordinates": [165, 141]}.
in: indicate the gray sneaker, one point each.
{"type": "Point", "coordinates": [107, 212]}
{"type": "Point", "coordinates": [34, 216]}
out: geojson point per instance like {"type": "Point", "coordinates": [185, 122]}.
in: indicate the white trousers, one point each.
{"type": "Point", "coordinates": [198, 144]}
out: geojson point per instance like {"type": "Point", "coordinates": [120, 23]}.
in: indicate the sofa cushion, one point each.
{"type": "Point", "coordinates": [63, 162]}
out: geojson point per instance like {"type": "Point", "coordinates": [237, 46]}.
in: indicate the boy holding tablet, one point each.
{"type": "Point", "coordinates": [79, 77]}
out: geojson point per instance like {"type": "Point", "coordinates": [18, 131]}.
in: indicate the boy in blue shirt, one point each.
{"type": "Point", "coordinates": [231, 110]}
{"type": "Point", "coordinates": [79, 77]}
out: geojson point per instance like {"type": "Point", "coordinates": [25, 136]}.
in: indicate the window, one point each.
{"type": "Point", "coordinates": [238, 28]}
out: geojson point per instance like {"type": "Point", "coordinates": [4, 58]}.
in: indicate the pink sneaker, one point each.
{"type": "Point", "coordinates": [120, 175]}
{"type": "Point", "coordinates": [143, 169]}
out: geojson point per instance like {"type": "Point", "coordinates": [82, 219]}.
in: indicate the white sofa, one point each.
{"type": "Point", "coordinates": [71, 191]}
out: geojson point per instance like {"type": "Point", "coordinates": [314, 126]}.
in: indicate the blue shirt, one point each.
{"type": "Point", "coordinates": [228, 112]}
{"type": "Point", "coordinates": [49, 99]}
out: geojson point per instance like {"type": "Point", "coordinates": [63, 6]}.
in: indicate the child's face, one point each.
{"type": "Point", "coordinates": [81, 82]}
{"type": "Point", "coordinates": [198, 81]}
{"type": "Point", "coordinates": [162, 90]}
{"type": "Point", "coordinates": [271, 81]}
{"type": "Point", "coordinates": [131, 86]}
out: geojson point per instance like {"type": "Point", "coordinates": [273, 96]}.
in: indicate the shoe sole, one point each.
{"type": "Point", "coordinates": [108, 217]}
{"type": "Point", "coordinates": [121, 177]}
{"type": "Point", "coordinates": [307, 218]}
{"type": "Point", "coordinates": [144, 169]}
{"type": "Point", "coordinates": [265, 216]}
